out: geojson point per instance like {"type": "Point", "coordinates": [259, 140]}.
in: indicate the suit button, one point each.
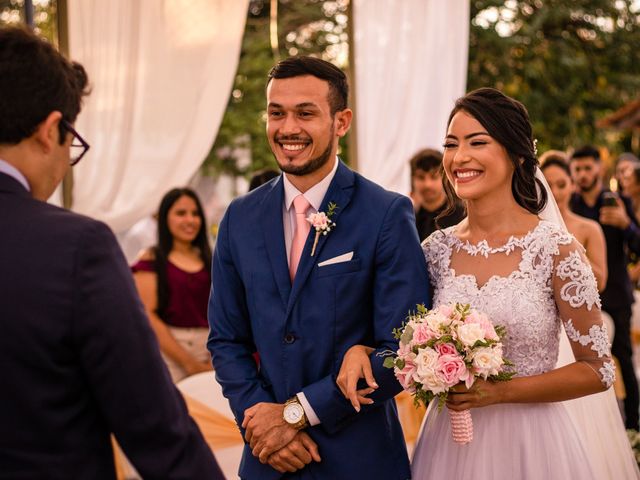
{"type": "Point", "coordinates": [289, 338]}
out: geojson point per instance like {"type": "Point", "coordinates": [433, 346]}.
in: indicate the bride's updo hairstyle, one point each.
{"type": "Point", "coordinates": [507, 121]}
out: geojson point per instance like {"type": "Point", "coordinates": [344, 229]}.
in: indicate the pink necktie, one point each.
{"type": "Point", "coordinates": [301, 205]}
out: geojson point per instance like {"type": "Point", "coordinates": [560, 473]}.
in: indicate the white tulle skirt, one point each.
{"type": "Point", "coordinates": [511, 441]}
{"type": "Point", "coordinates": [599, 423]}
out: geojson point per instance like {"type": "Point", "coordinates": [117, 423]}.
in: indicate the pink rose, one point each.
{"type": "Point", "coordinates": [422, 334]}
{"type": "Point", "coordinates": [405, 376]}
{"type": "Point", "coordinates": [452, 370]}
{"type": "Point", "coordinates": [319, 221]}
{"type": "Point", "coordinates": [446, 310]}
{"type": "Point", "coordinates": [446, 349]}
{"type": "Point", "coordinates": [404, 349]}
{"type": "Point", "coordinates": [486, 325]}
{"type": "Point", "coordinates": [449, 311]}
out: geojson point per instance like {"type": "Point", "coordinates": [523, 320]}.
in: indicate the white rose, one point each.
{"type": "Point", "coordinates": [486, 361]}
{"type": "Point", "coordinates": [470, 333]}
{"type": "Point", "coordinates": [425, 361]}
{"type": "Point", "coordinates": [431, 382]}
{"type": "Point", "coordinates": [436, 320]}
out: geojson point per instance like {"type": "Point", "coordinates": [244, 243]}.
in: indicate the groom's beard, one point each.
{"type": "Point", "coordinates": [312, 165]}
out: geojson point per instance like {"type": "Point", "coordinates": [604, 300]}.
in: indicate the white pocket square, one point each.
{"type": "Point", "coordinates": [345, 257]}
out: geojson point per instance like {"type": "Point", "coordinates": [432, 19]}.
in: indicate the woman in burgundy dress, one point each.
{"type": "Point", "coordinates": [173, 279]}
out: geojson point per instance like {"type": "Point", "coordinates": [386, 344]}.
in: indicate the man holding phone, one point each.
{"type": "Point", "coordinates": [621, 231]}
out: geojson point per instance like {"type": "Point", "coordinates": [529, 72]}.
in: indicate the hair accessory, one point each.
{"type": "Point", "coordinates": [535, 146]}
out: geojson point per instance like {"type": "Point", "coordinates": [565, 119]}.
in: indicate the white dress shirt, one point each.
{"type": "Point", "coordinates": [314, 196]}
{"type": "Point", "coordinates": [6, 167]}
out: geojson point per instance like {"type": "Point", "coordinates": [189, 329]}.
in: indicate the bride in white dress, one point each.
{"type": "Point", "coordinates": [527, 274]}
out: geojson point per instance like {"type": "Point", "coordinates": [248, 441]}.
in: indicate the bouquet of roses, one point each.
{"type": "Point", "coordinates": [443, 347]}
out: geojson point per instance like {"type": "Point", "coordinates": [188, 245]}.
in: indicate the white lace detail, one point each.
{"type": "Point", "coordinates": [485, 250]}
{"type": "Point", "coordinates": [608, 373]}
{"type": "Point", "coordinates": [522, 301]}
{"type": "Point", "coordinates": [597, 336]}
{"type": "Point", "coordinates": [581, 288]}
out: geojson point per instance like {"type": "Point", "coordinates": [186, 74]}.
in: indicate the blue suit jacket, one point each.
{"type": "Point", "coordinates": [79, 359]}
{"type": "Point", "coordinates": [302, 331]}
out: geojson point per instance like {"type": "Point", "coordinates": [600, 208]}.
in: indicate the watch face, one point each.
{"type": "Point", "coordinates": [293, 413]}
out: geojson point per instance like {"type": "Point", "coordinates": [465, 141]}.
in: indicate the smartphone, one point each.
{"type": "Point", "coordinates": [609, 199]}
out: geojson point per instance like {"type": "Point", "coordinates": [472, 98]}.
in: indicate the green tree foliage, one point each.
{"type": "Point", "coordinates": [571, 63]}
{"type": "Point", "coordinates": [44, 16]}
{"type": "Point", "coordinates": [305, 27]}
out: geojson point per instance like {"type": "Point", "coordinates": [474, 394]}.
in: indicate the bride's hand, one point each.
{"type": "Point", "coordinates": [481, 394]}
{"type": "Point", "coordinates": [356, 365]}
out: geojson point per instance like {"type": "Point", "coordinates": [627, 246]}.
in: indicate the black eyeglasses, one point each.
{"type": "Point", "coordinates": [78, 146]}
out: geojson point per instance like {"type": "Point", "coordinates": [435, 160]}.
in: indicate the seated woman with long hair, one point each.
{"type": "Point", "coordinates": [173, 279]}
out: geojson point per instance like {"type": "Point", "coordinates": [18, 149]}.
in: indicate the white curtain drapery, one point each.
{"type": "Point", "coordinates": [161, 72]}
{"type": "Point", "coordinates": [410, 66]}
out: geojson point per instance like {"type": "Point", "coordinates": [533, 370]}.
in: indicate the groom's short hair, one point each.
{"type": "Point", "coordinates": [304, 65]}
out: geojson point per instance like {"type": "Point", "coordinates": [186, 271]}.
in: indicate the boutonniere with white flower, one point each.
{"type": "Point", "coordinates": [322, 222]}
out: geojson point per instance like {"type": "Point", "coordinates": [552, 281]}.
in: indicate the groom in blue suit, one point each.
{"type": "Point", "coordinates": [301, 295]}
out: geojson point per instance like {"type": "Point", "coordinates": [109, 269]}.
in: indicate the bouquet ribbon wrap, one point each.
{"type": "Point", "coordinates": [461, 426]}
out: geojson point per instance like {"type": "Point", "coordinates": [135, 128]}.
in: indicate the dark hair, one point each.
{"type": "Point", "coordinates": [261, 177]}
{"type": "Point", "coordinates": [165, 243]}
{"type": "Point", "coordinates": [586, 151]}
{"type": "Point", "coordinates": [507, 121]}
{"type": "Point", "coordinates": [628, 157]}
{"type": "Point", "coordinates": [554, 161]}
{"type": "Point", "coordinates": [555, 158]}
{"type": "Point", "coordinates": [35, 80]}
{"type": "Point", "coordinates": [299, 66]}
{"type": "Point", "coordinates": [426, 159]}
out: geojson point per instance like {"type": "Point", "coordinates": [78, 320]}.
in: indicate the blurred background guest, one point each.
{"type": "Point", "coordinates": [261, 177]}
{"type": "Point", "coordinates": [630, 183]}
{"type": "Point", "coordinates": [427, 193]}
{"type": "Point", "coordinates": [555, 167]}
{"type": "Point", "coordinates": [621, 232]}
{"type": "Point", "coordinates": [624, 165]}
{"type": "Point", "coordinates": [173, 279]}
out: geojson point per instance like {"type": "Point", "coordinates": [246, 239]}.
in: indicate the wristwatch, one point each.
{"type": "Point", "coordinates": [293, 414]}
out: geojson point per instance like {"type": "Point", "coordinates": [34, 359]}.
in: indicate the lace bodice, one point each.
{"type": "Point", "coordinates": [551, 282]}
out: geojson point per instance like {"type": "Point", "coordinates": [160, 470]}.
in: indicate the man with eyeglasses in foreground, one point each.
{"type": "Point", "coordinates": [79, 360]}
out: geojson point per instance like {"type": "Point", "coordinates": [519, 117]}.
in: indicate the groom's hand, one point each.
{"type": "Point", "coordinates": [301, 451]}
{"type": "Point", "coordinates": [266, 430]}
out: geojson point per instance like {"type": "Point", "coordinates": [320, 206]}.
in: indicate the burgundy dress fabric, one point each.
{"type": "Point", "coordinates": [188, 294]}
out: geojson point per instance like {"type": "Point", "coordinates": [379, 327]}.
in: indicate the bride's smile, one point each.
{"type": "Point", "coordinates": [475, 163]}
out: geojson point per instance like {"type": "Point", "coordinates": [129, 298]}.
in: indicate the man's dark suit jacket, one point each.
{"type": "Point", "coordinates": [78, 358]}
{"type": "Point", "coordinates": [302, 330]}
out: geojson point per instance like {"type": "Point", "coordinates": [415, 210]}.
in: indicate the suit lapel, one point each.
{"type": "Point", "coordinates": [339, 192]}
{"type": "Point", "coordinates": [272, 228]}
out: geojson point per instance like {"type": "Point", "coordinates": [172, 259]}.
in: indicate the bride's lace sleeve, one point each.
{"type": "Point", "coordinates": [436, 253]}
{"type": "Point", "coordinates": [576, 295]}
